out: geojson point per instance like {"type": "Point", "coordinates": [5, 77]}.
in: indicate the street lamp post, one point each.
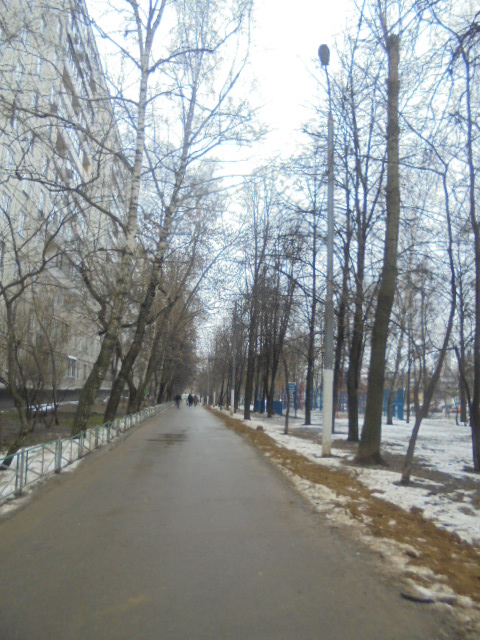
{"type": "Point", "coordinates": [234, 344]}
{"type": "Point", "coordinates": [324, 55]}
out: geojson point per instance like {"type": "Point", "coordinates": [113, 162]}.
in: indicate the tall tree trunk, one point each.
{"type": "Point", "coordinates": [19, 402]}
{"type": "Point", "coordinates": [147, 303]}
{"type": "Point", "coordinates": [341, 329]}
{"type": "Point", "coordinates": [311, 335]}
{"type": "Point", "coordinates": [369, 448]}
{"type": "Point", "coordinates": [310, 364]}
{"type": "Point", "coordinates": [475, 408]}
{"type": "Point", "coordinates": [129, 360]}
{"type": "Point", "coordinates": [421, 412]}
{"type": "Point", "coordinates": [287, 391]}
{"type": "Point", "coordinates": [107, 349]}
{"type": "Point", "coordinates": [391, 397]}
{"type": "Point", "coordinates": [249, 377]}
{"type": "Point", "coordinates": [355, 364]}
{"type": "Point", "coordinates": [281, 321]}
{"type": "Point", "coordinates": [356, 346]}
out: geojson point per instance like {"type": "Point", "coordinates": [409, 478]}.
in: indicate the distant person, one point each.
{"type": "Point", "coordinates": [190, 400]}
{"type": "Point", "coordinates": [195, 400]}
{"type": "Point", "coordinates": [178, 400]}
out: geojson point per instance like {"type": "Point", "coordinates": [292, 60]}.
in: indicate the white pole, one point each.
{"type": "Point", "coordinates": [328, 358]}
{"type": "Point", "coordinates": [324, 55]}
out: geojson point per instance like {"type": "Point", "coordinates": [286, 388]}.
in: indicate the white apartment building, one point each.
{"type": "Point", "coordinates": [61, 189]}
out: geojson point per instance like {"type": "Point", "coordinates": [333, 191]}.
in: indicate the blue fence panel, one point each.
{"type": "Point", "coordinates": [397, 403]}
{"type": "Point", "coordinates": [262, 407]}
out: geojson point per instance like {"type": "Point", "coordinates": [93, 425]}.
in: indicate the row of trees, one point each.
{"type": "Point", "coordinates": [138, 228]}
{"type": "Point", "coordinates": [129, 232]}
{"type": "Point", "coordinates": [405, 100]}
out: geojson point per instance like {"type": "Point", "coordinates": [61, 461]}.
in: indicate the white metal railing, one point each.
{"type": "Point", "coordinates": [29, 465]}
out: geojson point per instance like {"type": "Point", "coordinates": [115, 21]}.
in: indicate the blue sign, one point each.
{"type": "Point", "coordinates": [292, 388]}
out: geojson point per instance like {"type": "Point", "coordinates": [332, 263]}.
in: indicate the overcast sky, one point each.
{"type": "Point", "coordinates": [286, 37]}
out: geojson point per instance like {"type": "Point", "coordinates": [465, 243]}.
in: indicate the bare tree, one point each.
{"type": "Point", "coordinates": [369, 448]}
{"type": "Point", "coordinates": [277, 303]}
{"type": "Point", "coordinates": [260, 200]}
{"type": "Point", "coordinates": [457, 30]}
{"type": "Point", "coordinates": [140, 52]}
{"type": "Point", "coordinates": [364, 181]}
{"type": "Point", "coordinates": [430, 382]}
{"type": "Point", "coordinates": [197, 86]}
{"type": "Point", "coordinates": [310, 181]}
{"type": "Point", "coordinates": [465, 45]}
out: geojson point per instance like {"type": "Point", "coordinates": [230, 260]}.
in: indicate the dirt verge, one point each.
{"type": "Point", "coordinates": [431, 557]}
{"type": "Point", "coordinates": [44, 429]}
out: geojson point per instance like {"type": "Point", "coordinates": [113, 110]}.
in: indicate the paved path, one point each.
{"type": "Point", "coordinates": [182, 531]}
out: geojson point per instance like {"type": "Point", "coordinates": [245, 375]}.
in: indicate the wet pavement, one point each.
{"type": "Point", "coordinates": [183, 531]}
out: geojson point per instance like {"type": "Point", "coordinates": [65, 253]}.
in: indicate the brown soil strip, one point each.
{"type": "Point", "coordinates": [454, 561]}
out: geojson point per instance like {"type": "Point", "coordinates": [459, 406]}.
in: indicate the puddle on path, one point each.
{"type": "Point", "coordinates": [169, 438]}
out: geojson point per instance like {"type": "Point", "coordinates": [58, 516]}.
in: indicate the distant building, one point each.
{"type": "Point", "coordinates": [61, 189]}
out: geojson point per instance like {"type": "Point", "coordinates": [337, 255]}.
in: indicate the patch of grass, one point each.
{"type": "Point", "coordinates": [45, 430]}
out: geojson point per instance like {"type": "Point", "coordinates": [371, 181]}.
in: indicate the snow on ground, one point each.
{"type": "Point", "coordinates": [451, 499]}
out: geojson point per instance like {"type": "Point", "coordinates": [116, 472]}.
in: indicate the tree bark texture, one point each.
{"type": "Point", "coordinates": [252, 335]}
{"type": "Point", "coordinates": [369, 448]}
{"type": "Point", "coordinates": [19, 402]}
{"type": "Point", "coordinates": [107, 350]}
{"type": "Point", "coordinates": [311, 335]}
{"type": "Point", "coordinates": [475, 408]}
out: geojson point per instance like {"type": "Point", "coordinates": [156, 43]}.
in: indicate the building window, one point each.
{"type": "Point", "coordinates": [52, 96]}
{"type": "Point", "coordinates": [20, 74]}
{"type": "Point", "coordinates": [6, 202]}
{"type": "Point", "coordinates": [41, 204]}
{"type": "Point", "coordinates": [10, 158]}
{"type": "Point", "coordinates": [14, 120]}
{"type": "Point", "coordinates": [21, 221]}
{"type": "Point", "coordinates": [45, 167]}
{"type": "Point", "coordinates": [24, 37]}
{"type": "Point", "coordinates": [71, 367]}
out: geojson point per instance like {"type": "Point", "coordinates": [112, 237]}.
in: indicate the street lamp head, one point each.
{"type": "Point", "coordinates": [324, 55]}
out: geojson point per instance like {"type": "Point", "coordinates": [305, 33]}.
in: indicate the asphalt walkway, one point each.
{"type": "Point", "coordinates": [182, 531]}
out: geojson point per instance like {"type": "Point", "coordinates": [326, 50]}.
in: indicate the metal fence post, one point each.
{"type": "Point", "coordinates": [19, 473]}
{"type": "Point", "coordinates": [58, 456]}
{"type": "Point", "coordinates": [24, 458]}
{"type": "Point", "coordinates": [25, 469]}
